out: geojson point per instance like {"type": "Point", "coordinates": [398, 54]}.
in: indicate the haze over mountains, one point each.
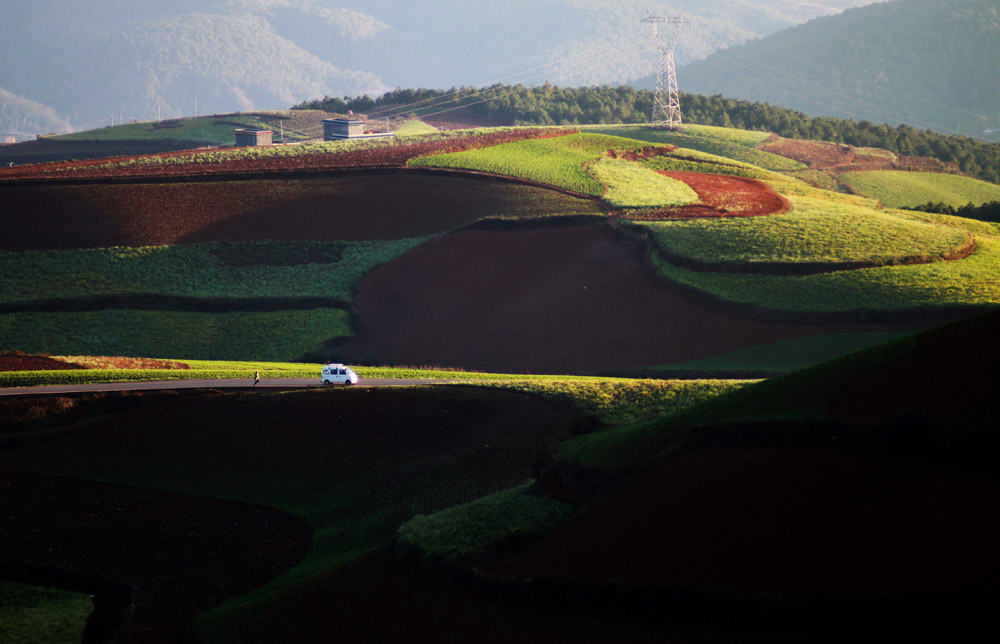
{"type": "Point", "coordinates": [929, 63]}
{"type": "Point", "coordinates": [84, 63]}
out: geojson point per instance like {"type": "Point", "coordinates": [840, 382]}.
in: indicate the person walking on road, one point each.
{"type": "Point", "coordinates": [256, 378]}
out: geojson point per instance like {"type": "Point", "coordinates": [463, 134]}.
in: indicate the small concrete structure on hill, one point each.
{"type": "Point", "coordinates": [337, 129]}
{"type": "Point", "coordinates": [246, 137]}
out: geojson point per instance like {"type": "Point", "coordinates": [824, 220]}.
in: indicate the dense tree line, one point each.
{"type": "Point", "coordinates": [989, 211]}
{"type": "Point", "coordinates": [550, 105]}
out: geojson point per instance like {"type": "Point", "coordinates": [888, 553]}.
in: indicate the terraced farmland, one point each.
{"type": "Point", "coordinates": [818, 233]}
{"type": "Point", "coordinates": [439, 269]}
{"type": "Point", "coordinates": [897, 189]}
{"type": "Point", "coordinates": [558, 162]}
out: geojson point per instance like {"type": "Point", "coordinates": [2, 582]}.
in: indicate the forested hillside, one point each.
{"type": "Point", "coordinates": [20, 117]}
{"type": "Point", "coordinates": [89, 60]}
{"type": "Point", "coordinates": [550, 105]}
{"type": "Point", "coordinates": [929, 63]}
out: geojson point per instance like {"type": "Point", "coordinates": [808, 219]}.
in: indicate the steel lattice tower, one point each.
{"type": "Point", "coordinates": [666, 112]}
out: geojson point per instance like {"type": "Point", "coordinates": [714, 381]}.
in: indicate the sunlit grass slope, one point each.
{"type": "Point", "coordinates": [739, 145]}
{"type": "Point", "coordinates": [898, 189]}
{"type": "Point", "coordinates": [269, 335]}
{"type": "Point", "coordinates": [968, 282]}
{"type": "Point", "coordinates": [221, 269]}
{"type": "Point", "coordinates": [780, 357]}
{"type": "Point", "coordinates": [207, 129]}
{"type": "Point", "coordinates": [557, 162]}
{"type": "Point", "coordinates": [816, 230]}
{"type": "Point", "coordinates": [930, 375]}
{"type": "Point", "coordinates": [630, 185]}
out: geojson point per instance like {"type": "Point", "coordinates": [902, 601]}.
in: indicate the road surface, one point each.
{"type": "Point", "coordinates": [229, 383]}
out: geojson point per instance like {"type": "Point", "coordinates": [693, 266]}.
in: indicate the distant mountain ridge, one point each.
{"type": "Point", "coordinates": [94, 61]}
{"type": "Point", "coordinates": [929, 63]}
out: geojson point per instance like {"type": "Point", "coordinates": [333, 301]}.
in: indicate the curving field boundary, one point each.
{"type": "Point", "coordinates": [721, 196]}
{"type": "Point", "coordinates": [812, 268]}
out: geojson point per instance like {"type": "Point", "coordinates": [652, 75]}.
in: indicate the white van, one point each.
{"type": "Point", "coordinates": [338, 373]}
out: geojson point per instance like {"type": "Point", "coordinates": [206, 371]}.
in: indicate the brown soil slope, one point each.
{"type": "Point", "coordinates": [567, 299]}
{"type": "Point", "coordinates": [351, 208]}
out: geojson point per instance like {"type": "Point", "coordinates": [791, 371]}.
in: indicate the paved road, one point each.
{"type": "Point", "coordinates": [231, 383]}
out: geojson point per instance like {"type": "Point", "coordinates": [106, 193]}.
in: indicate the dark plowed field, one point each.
{"type": "Point", "coordinates": [567, 299]}
{"type": "Point", "coordinates": [358, 461]}
{"type": "Point", "coordinates": [375, 206]}
{"type": "Point", "coordinates": [792, 521]}
{"type": "Point", "coordinates": [179, 554]}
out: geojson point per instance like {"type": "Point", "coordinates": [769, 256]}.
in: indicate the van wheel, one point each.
{"type": "Point", "coordinates": [347, 383]}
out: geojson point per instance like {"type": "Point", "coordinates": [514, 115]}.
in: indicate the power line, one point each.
{"type": "Point", "coordinates": [546, 70]}
{"type": "Point", "coordinates": [666, 111]}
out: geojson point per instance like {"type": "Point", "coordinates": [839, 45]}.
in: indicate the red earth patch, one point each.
{"type": "Point", "coordinates": [731, 196]}
{"type": "Point", "coordinates": [569, 299]}
{"type": "Point", "coordinates": [16, 362]}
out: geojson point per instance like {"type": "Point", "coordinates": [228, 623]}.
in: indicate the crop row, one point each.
{"type": "Point", "coordinates": [724, 142]}
{"type": "Point", "coordinates": [630, 185]}
{"type": "Point", "coordinates": [898, 189]}
{"type": "Point", "coordinates": [557, 162]}
{"type": "Point", "coordinates": [816, 231]}
{"type": "Point", "coordinates": [211, 269]}
{"type": "Point", "coordinates": [272, 335]}
{"type": "Point", "coordinates": [391, 152]}
{"type": "Point", "coordinates": [968, 282]}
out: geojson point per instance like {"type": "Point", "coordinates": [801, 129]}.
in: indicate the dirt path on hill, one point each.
{"type": "Point", "coordinates": [569, 299]}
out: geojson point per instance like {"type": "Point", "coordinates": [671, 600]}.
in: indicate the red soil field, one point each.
{"type": "Point", "coordinates": [334, 208]}
{"type": "Point", "coordinates": [815, 154]}
{"type": "Point", "coordinates": [377, 157]}
{"type": "Point", "coordinates": [569, 299]}
{"type": "Point", "coordinates": [728, 196]}
{"type": "Point", "coordinates": [16, 362]}
{"type": "Point", "coordinates": [784, 520]}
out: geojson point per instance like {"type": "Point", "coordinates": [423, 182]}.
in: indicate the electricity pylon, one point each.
{"type": "Point", "coordinates": [666, 112]}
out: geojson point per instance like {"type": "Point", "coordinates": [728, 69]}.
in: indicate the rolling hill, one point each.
{"type": "Point", "coordinates": [928, 63]}
{"type": "Point", "coordinates": [846, 499]}
{"type": "Point", "coordinates": [90, 62]}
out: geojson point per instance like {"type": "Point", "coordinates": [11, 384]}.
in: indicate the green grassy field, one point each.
{"type": "Point", "coordinates": [212, 269]}
{"type": "Point", "coordinates": [270, 336]}
{"type": "Point", "coordinates": [354, 486]}
{"type": "Point", "coordinates": [898, 189]}
{"type": "Point", "coordinates": [968, 282]}
{"type": "Point", "coordinates": [816, 393]}
{"type": "Point", "coordinates": [414, 127]}
{"type": "Point", "coordinates": [557, 162]}
{"type": "Point", "coordinates": [781, 357]}
{"type": "Point", "coordinates": [472, 527]}
{"type": "Point", "coordinates": [216, 129]}
{"type": "Point", "coordinates": [815, 231]}
{"type": "Point", "coordinates": [689, 160]}
{"type": "Point", "coordinates": [308, 148]}
{"type": "Point", "coordinates": [33, 615]}
{"type": "Point", "coordinates": [630, 185]}
{"type": "Point", "coordinates": [738, 145]}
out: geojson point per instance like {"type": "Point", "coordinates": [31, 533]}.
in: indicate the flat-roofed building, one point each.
{"type": "Point", "coordinates": [337, 129]}
{"type": "Point", "coordinates": [246, 137]}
